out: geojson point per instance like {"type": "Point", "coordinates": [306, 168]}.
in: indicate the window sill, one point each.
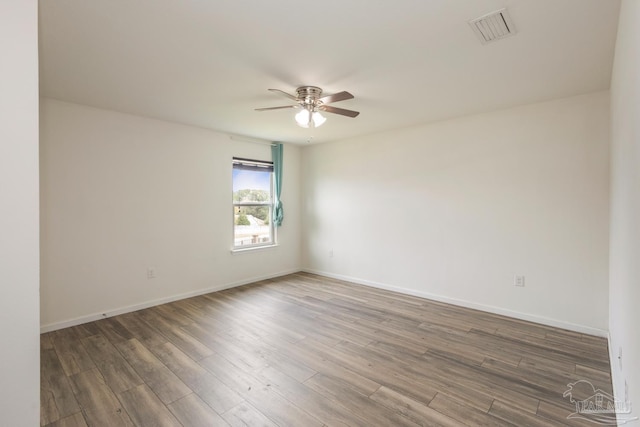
{"type": "Point", "coordinates": [237, 251]}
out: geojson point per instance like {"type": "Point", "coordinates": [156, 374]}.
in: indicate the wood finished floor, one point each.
{"type": "Point", "coordinates": [304, 350]}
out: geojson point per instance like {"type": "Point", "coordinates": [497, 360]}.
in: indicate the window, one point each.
{"type": "Point", "coordinates": [252, 203]}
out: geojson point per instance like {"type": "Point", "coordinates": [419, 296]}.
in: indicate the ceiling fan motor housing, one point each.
{"type": "Point", "coordinates": [308, 96]}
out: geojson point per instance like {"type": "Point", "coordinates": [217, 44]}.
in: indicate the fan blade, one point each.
{"type": "Point", "coordinates": [341, 111]}
{"type": "Point", "coordinates": [278, 91]}
{"type": "Point", "coordinates": [340, 96]}
{"type": "Point", "coordinates": [276, 108]}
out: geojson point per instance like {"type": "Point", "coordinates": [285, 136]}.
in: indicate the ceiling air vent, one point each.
{"type": "Point", "coordinates": [493, 26]}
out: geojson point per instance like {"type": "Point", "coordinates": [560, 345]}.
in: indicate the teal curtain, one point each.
{"type": "Point", "coordinates": [276, 156]}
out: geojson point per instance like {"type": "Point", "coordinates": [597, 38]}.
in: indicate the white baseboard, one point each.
{"type": "Point", "coordinates": [468, 304]}
{"type": "Point", "coordinates": [462, 303]}
{"type": "Point", "coordinates": [135, 307]}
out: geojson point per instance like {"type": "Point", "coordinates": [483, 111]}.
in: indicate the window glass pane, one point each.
{"type": "Point", "coordinates": [252, 225]}
{"type": "Point", "coordinates": [251, 186]}
{"type": "Point", "coordinates": [252, 206]}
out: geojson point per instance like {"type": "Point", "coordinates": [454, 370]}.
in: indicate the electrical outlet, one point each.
{"type": "Point", "coordinates": [151, 273]}
{"type": "Point", "coordinates": [518, 281]}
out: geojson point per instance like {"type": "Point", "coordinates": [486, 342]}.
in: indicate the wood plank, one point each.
{"type": "Point", "coordinates": [534, 384]}
{"type": "Point", "coordinates": [515, 415]}
{"type": "Point", "coordinates": [334, 389]}
{"type": "Point", "coordinates": [260, 350]}
{"type": "Point", "coordinates": [57, 399]}
{"type": "Point", "coordinates": [329, 411]}
{"type": "Point", "coordinates": [71, 352]}
{"type": "Point", "coordinates": [168, 312]}
{"type": "Point", "coordinates": [117, 372]}
{"type": "Point", "coordinates": [190, 372]}
{"type": "Point", "coordinates": [600, 379]}
{"type": "Point", "coordinates": [156, 375]}
{"type": "Point", "coordinates": [50, 365]}
{"type": "Point", "coordinates": [419, 412]}
{"type": "Point", "coordinates": [220, 397]}
{"type": "Point", "coordinates": [113, 329]}
{"type": "Point", "coordinates": [181, 339]}
{"type": "Point", "coordinates": [558, 414]}
{"type": "Point", "coordinates": [145, 409]}
{"type": "Point", "coordinates": [134, 326]}
{"type": "Point", "coordinates": [75, 420]}
{"type": "Point", "coordinates": [100, 405]}
{"type": "Point", "coordinates": [58, 390]}
{"type": "Point", "coordinates": [463, 413]}
{"type": "Point", "coordinates": [389, 371]}
{"type": "Point", "coordinates": [85, 330]}
{"type": "Point", "coordinates": [228, 348]}
{"type": "Point", "coordinates": [48, 409]}
{"type": "Point", "coordinates": [320, 364]}
{"type": "Point", "coordinates": [45, 342]}
{"type": "Point", "coordinates": [193, 412]}
{"type": "Point", "coordinates": [245, 415]}
{"type": "Point", "coordinates": [474, 379]}
{"type": "Point", "coordinates": [261, 395]}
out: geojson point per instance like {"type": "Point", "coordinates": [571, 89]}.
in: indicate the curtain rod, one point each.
{"type": "Point", "coordinates": [252, 140]}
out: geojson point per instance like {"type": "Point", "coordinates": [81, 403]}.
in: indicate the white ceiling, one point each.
{"type": "Point", "coordinates": [209, 63]}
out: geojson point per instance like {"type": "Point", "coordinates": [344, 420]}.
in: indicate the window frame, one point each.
{"type": "Point", "coordinates": [259, 166]}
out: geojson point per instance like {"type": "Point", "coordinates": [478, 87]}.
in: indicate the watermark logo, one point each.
{"type": "Point", "coordinates": [596, 406]}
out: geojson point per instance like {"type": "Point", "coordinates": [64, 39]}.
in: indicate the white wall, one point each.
{"type": "Point", "coordinates": [624, 292]}
{"type": "Point", "coordinates": [121, 193]}
{"type": "Point", "coordinates": [19, 274]}
{"type": "Point", "coordinates": [453, 210]}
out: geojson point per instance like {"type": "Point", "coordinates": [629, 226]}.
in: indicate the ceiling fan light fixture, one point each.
{"type": "Point", "coordinates": [307, 118]}
{"type": "Point", "coordinates": [318, 119]}
{"type": "Point", "coordinates": [303, 117]}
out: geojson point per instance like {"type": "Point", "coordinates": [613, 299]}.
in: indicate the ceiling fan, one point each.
{"type": "Point", "coordinates": [311, 102]}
